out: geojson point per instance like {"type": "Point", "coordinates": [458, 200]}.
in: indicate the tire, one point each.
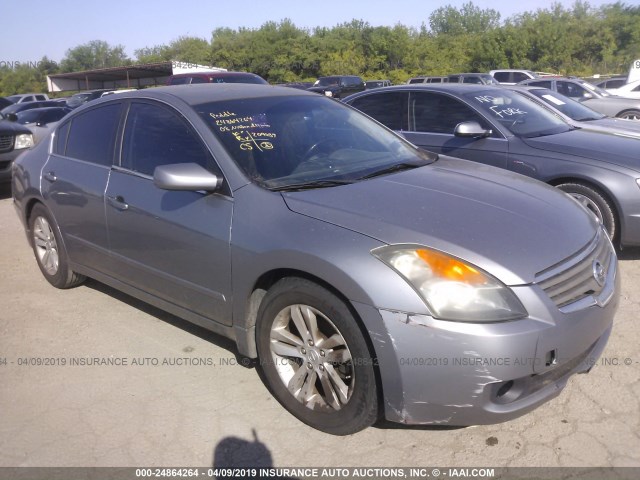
{"type": "Point", "coordinates": [49, 250]}
{"type": "Point", "coordinates": [308, 338]}
{"type": "Point", "coordinates": [630, 115]}
{"type": "Point", "coordinates": [595, 202]}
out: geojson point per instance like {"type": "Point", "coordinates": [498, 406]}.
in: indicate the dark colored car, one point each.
{"type": "Point", "coordinates": [477, 78]}
{"type": "Point", "coordinates": [14, 139]}
{"type": "Point", "coordinates": [80, 98]}
{"type": "Point", "coordinates": [21, 107]}
{"type": "Point", "coordinates": [5, 102]}
{"type": "Point", "coordinates": [215, 77]}
{"type": "Point", "coordinates": [40, 120]}
{"type": "Point", "coordinates": [593, 97]}
{"type": "Point", "coordinates": [329, 248]}
{"type": "Point", "coordinates": [499, 127]}
{"type": "Point", "coordinates": [338, 86]}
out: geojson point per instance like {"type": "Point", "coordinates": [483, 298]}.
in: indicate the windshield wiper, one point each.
{"type": "Point", "coordinates": [309, 185]}
{"type": "Point", "coordinates": [393, 168]}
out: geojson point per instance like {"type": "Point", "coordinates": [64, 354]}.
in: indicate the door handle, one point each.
{"type": "Point", "coordinates": [50, 176]}
{"type": "Point", "coordinates": [118, 202]}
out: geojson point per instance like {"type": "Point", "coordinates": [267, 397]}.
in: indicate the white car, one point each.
{"type": "Point", "coordinates": [629, 90]}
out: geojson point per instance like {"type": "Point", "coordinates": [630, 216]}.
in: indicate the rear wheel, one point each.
{"type": "Point", "coordinates": [596, 203]}
{"type": "Point", "coordinates": [49, 250]}
{"type": "Point", "coordinates": [315, 358]}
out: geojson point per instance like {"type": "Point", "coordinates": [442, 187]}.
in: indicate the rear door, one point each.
{"type": "Point", "coordinates": [74, 180]}
{"type": "Point", "coordinates": [174, 245]}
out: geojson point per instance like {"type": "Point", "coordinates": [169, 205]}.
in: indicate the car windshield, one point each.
{"type": "Point", "coordinates": [569, 107]}
{"type": "Point", "coordinates": [326, 81]}
{"type": "Point", "coordinates": [521, 116]}
{"type": "Point", "coordinates": [287, 141]}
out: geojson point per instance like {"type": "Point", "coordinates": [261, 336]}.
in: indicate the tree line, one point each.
{"type": "Point", "coordinates": [578, 40]}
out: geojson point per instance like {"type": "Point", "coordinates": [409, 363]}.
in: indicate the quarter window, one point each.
{"type": "Point", "coordinates": [92, 134]}
{"type": "Point", "coordinates": [155, 135]}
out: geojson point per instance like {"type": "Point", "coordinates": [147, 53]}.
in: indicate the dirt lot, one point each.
{"type": "Point", "coordinates": [201, 408]}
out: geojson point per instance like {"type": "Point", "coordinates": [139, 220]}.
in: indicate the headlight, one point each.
{"type": "Point", "coordinates": [638, 181]}
{"type": "Point", "coordinates": [328, 93]}
{"type": "Point", "coordinates": [451, 288]}
{"type": "Point", "coordinates": [24, 140]}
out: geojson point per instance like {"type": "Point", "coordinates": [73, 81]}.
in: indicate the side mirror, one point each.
{"type": "Point", "coordinates": [471, 130]}
{"type": "Point", "coordinates": [12, 117]}
{"type": "Point", "coordinates": [185, 176]}
{"type": "Point", "coordinates": [587, 96]}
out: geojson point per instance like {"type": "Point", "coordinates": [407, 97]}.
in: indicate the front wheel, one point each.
{"type": "Point", "coordinates": [595, 202]}
{"type": "Point", "coordinates": [315, 358]}
{"type": "Point", "coordinates": [49, 250]}
{"type": "Point", "coordinates": [630, 115]}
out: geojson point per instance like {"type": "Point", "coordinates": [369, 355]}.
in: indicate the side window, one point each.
{"type": "Point", "coordinates": [542, 83]}
{"type": "Point", "coordinates": [40, 97]}
{"type": "Point", "coordinates": [387, 108]}
{"type": "Point", "coordinates": [436, 113]}
{"type": "Point", "coordinates": [155, 135]}
{"type": "Point", "coordinates": [571, 90]}
{"type": "Point", "coordinates": [501, 76]}
{"type": "Point", "coordinates": [198, 80]}
{"type": "Point", "coordinates": [61, 139]}
{"type": "Point", "coordinates": [519, 77]}
{"type": "Point", "coordinates": [92, 134]}
{"type": "Point", "coordinates": [471, 80]}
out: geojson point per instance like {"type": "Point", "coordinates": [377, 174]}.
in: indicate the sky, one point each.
{"type": "Point", "coordinates": [51, 28]}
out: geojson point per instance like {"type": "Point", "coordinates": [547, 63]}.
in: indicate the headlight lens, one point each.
{"type": "Point", "coordinates": [24, 140]}
{"type": "Point", "coordinates": [328, 93]}
{"type": "Point", "coordinates": [451, 288]}
{"type": "Point", "coordinates": [638, 181]}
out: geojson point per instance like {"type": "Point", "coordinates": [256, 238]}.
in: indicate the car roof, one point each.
{"type": "Point", "coordinates": [208, 92]}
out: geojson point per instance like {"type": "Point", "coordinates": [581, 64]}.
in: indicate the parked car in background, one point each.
{"type": "Point", "coordinates": [298, 85]}
{"type": "Point", "coordinates": [5, 102]}
{"type": "Point", "coordinates": [593, 97]}
{"type": "Point", "coordinates": [427, 80]}
{"type": "Point", "coordinates": [40, 121]}
{"type": "Point", "coordinates": [613, 82]}
{"type": "Point", "coordinates": [334, 259]}
{"type": "Point", "coordinates": [338, 86]}
{"type": "Point", "coordinates": [215, 77]}
{"type": "Point", "coordinates": [497, 126]}
{"type": "Point", "coordinates": [629, 90]}
{"type": "Point", "coordinates": [21, 107]}
{"type": "Point", "coordinates": [478, 78]}
{"type": "Point", "coordinates": [14, 139]}
{"type": "Point", "coordinates": [511, 76]}
{"type": "Point", "coordinates": [81, 98]}
{"type": "Point", "coordinates": [369, 84]}
{"type": "Point", "coordinates": [28, 97]}
{"type": "Point", "coordinates": [576, 113]}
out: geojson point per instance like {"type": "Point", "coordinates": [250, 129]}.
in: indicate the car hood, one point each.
{"type": "Point", "coordinates": [631, 127]}
{"type": "Point", "coordinates": [509, 225]}
{"type": "Point", "coordinates": [12, 128]}
{"type": "Point", "coordinates": [607, 147]}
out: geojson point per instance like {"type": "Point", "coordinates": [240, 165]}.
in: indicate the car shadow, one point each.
{"type": "Point", "coordinates": [237, 453]}
{"type": "Point", "coordinates": [5, 191]}
{"type": "Point", "coordinates": [171, 319]}
{"type": "Point", "coordinates": [629, 253]}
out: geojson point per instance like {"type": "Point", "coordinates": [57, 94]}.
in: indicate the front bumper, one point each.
{"type": "Point", "coordinates": [441, 372]}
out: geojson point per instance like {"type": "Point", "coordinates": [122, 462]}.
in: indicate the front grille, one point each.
{"type": "Point", "coordinates": [6, 143]}
{"type": "Point", "coordinates": [575, 278]}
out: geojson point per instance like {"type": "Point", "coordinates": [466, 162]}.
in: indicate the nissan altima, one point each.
{"type": "Point", "coordinates": [370, 278]}
{"type": "Point", "coordinates": [500, 127]}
